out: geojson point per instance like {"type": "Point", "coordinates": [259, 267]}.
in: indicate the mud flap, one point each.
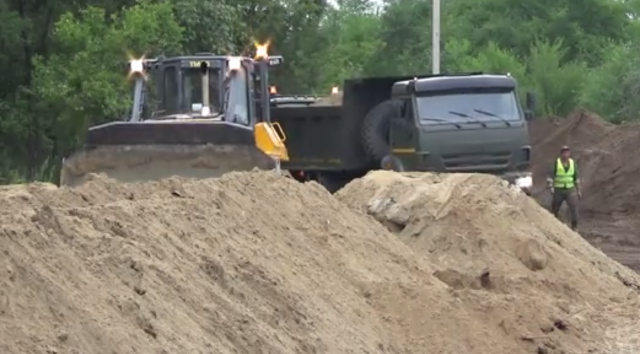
{"type": "Point", "coordinates": [137, 163]}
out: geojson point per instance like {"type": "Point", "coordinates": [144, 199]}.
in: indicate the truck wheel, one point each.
{"type": "Point", "coordinates": [391, 163]}
{"type": "Point", "coordinates": [375, 129]}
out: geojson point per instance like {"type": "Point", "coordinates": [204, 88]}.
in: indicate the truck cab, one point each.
{"type": "Point", "coordinates": [466, 123]}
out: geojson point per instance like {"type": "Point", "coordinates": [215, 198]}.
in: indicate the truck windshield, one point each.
{"type": "Point", "coordinates": [468, 107]}
{"type": "Point", "coordinates": [193, 89]}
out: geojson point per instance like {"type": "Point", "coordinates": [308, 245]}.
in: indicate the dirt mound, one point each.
{"type": "Point", "coordinates": [248, 263]}
{"type": "Point", "coordinates": [541, 128]}
{"type": "Point", "coordinates": [503, 254]}
{"type": "Point", "coordinates": [609, 170]}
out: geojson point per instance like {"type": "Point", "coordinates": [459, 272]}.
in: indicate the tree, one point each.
{"type": "Point", "coordinates": [583, 26]}
{"type": "Point", "coordinates": [63, 64]}
{"type": "Point", "coordinates": [84, 82]}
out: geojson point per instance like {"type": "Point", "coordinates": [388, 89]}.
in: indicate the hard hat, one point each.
{"type": "Point", "coordinates": [565, 148]}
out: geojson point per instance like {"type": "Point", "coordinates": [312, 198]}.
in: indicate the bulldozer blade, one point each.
{"type": "Point", "coordinates": [138, 152]}
{"type": "Point", "coordinates": [138, 163]}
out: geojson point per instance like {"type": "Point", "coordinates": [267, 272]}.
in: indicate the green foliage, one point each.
{"type": "Point", "coordinates": [555, 81]}
{"type": "Point", "coordinates": [82, 84]}
{"type": "Point", "coordinates": [460, 57]}
{"type": "Point", "coordinates": [64, 63]}
{"type": "Point", "coordinates": [406, 37]}
{"type": "Point", "coordinates": [583, 25]}
{"type": "Point", "coordinates": [351, 40]}
{"type": "Point", "coordinates": [607, 88]}
{"type": "Point", "coordinates": [211, 26]}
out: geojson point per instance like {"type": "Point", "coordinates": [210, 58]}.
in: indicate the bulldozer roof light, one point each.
{"type": "Point", "coordinates": [262, 50]}
{"type": "Point", "coordinates": [273, 90]}
{"type": "Point", "coordinates": [136, 66]}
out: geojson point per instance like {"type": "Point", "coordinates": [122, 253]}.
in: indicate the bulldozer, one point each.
{"type": "Point", "coordinates": [209, 115]}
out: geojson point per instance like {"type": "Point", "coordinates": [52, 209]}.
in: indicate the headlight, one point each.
{"type": "Point", "coordinates": [524, 182]}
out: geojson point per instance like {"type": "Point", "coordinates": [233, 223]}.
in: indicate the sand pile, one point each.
{"type": "Point", "coordinates": [609, 169]}
{"type": "Point", "coordinates": [249, 263]}
{"type": "Point", "coordinates": [502, 253]}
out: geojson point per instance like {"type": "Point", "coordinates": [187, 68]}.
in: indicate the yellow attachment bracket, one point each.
{"type": "Point", "coordinates": [270, 138]}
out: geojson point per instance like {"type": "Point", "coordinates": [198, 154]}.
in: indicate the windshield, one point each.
{"type": "Point", "coordinates": [192, 81]}
{"type": "Point", "coordinates": [468, 107]}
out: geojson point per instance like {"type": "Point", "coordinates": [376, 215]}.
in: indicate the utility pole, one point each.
{"type": "Point", "coordinates": [435, 37]}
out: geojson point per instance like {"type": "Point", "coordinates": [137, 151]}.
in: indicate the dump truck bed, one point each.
{"type": "Point", "coordinates": [327, 135]}
{"type": "Point", "coordinates": [320, 138]}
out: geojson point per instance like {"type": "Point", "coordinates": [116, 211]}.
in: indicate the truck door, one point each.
{"type": "Point", "coordinates": [403, 136]}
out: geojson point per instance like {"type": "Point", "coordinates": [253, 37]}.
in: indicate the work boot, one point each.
{"type": "Point", "coordinates": [574, 225]}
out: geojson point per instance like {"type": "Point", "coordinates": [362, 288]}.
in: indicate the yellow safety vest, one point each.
{"type": "Point", "coordinates": [564, 179]}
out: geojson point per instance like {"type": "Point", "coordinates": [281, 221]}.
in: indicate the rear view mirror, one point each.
{"type": "Point", "coordinates": [528, 115]}
{"type": "Point", "coordinates": [530, 109]}
{"type": "Point", "coordinates": [531, 102]}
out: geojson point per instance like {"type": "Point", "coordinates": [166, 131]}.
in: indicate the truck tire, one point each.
{"type": "Point", "coordinates": [375, 128]}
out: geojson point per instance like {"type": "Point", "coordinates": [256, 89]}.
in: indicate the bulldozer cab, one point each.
{"type": "Point", "coordinates": [191, 86]}
{"type": "Point", "coordinates": [209, 115]}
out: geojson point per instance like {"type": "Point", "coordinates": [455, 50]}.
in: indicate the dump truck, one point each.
{"type": "Point", "coordinates": [470, 122]}
{"type": "Point", "coordinates": [194, 116]}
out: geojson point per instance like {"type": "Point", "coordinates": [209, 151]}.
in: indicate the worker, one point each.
{"type": "Point", "coordinates": [564, 184]}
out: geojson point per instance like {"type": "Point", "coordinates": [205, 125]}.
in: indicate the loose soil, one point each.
{"type": "Point", "coordinates": [505, 258]}
{"type": "Point", "coordinates": [609, 171]}
{"type": "Point", "coordinates": [256, 263]}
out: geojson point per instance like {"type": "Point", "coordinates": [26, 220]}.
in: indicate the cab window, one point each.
{"type": "Point", "coordinates": [462, 107]}
{"type": "Point", "coordinates": [169, 92]}
{"type": "Point", "coordinates": [238, 103]}
{"type": "Point", "coordinates": [192, 88]}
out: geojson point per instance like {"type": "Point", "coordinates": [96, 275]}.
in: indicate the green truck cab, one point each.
{"type": "Point", "coordinates": [472, 123]}
{"type": "Point", "coordinates": [461, 124]}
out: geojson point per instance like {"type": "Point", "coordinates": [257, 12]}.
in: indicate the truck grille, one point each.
{"type": "Point", "coordinates": [477, 162]}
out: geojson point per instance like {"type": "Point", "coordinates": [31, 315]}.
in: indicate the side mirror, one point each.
{"type": "Point", "coordinates": [528, 115]}
{"type": "Point", "coordinates": [405, 109]}
{"type": "Point", "coordinates": [531, 102]}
